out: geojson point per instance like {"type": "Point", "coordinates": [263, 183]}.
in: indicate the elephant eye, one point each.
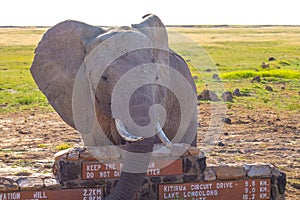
{"type": "Point", "coordinates": [104, 78]}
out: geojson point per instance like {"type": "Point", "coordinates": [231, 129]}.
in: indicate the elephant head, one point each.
{"type": "Point", "coordinates": [120, 86]}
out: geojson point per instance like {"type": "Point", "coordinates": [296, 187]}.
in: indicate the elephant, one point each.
{"type": "Point", "coordinates": [119, 86]}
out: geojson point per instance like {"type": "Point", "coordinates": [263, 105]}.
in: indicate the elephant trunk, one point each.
{"type": "Point", "coordinates": [130, 182]}
{"type": "Point", "coordinates": [137, 150]}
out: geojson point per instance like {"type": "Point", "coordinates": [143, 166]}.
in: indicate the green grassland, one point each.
{"type": "Point", "coordinates": [18, 91]}
{"type": "Point", "coordinates": [235, 53]}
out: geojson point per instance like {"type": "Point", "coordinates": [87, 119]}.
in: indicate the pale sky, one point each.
{"type": "Point", "coordinates": [172, 12]}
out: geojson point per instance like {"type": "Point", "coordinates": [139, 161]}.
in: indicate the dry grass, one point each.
{"type": "Point", "coordinates": [20, 36]}
{"type": "Point", "coordinates": [218, 36]}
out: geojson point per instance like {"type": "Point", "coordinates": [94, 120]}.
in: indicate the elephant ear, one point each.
{"type": "Point", "coordinates": [57, 60]}
{"type": "Point", "coordinates": [155, 30]}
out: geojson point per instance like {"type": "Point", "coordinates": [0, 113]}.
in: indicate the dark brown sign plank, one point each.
{"type": "Point", "coordinates": [98, 170]}
{"type": "Point", "coordinates": [253, 189]}
{"type": "Point", "coordinates": [67, 194]}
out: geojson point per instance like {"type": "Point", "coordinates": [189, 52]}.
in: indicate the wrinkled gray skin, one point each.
{"type": "Point", "coordinates": [58, 58]}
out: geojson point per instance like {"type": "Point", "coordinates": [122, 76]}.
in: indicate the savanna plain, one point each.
{"type": "Point", "coordinates": [260, 124]}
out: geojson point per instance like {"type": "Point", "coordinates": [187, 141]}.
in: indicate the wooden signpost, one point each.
{"type": "Point", "coordinates": [252, 189]}
{"type": "Point", "coordinates": [67, 194]}
{"type": "Point", "coordinates": [98, 170]}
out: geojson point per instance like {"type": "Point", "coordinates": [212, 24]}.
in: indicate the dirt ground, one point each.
{"type": "Point", "coordinates": [29, 141]}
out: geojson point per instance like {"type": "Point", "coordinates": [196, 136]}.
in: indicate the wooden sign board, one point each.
{"type": "Point", "coordinates": [252, 189]}
{"type": "Point", "coordinates": [98, 170]}
{"type": "Point", "coordinates": [68, 194]}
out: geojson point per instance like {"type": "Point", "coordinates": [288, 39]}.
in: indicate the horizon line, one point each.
{"type": "Point", "coordinates": [184, 26]}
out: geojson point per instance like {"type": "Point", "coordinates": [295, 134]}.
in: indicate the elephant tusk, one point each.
{"type": "Point", "coordinates": [162, 136]}
{"type": "Point", "coordinates": [124, 134]}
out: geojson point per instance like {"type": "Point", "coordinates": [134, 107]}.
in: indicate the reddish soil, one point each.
{"type": "Point", "coordinates": [30, 140]}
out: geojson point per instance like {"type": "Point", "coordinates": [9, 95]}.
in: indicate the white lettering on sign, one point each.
{"type": "Point", "coordinates": [262, 183]}
{"type": "Point", "coordinates": [263, 196]}
{"type": "Point", "coordinates": [154, 172]}
{"type": "Point", "coordinates": [151, 165]}
{"type": "Point", "coordinates": [40, 195]}
{"type": "Point", "coordinates": [174, 188]}
{"type": "Point", "coordinates": [90, 175]}
{"type": "Point", "coordinates": [201, 186]}
{"type": "Point", "coordinates": [263, 189]}
{"type": "Point", "coordinates": [10, 196]}
{"type": "Point", "coordinates": [83, 194]}
{"type": "Point", "coordinates": [173, 191]}
{"type": "Point", "coordinates": [243, 189]}
{"type": "Point", "coordinates": [98, 170]}
{"type": "Point", "coordinates": [173, 195]}
{"type": "Point", "coordinates": [255, 190]}
{"type": "Point", "coordinates": [110, 166]}
{"type": "Point", "coordinates": [200, 193]}
{"type": "Point", "coordinates": [92, 194]}
{"type": "Point", "coordinates": [105, 174]}
{"type": "Point", "coordinates": [248, 196]}
{"type": "Point", "coordinates": [224, 185]}
{"type": "Point", "coordinates": [245, 196]}
{"type": "Point", "coordinates": [117, 173]}
{"type": "Point", "coordinates": [102, 171]}
{"type": "Point", "coordinates": [91, 168]}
